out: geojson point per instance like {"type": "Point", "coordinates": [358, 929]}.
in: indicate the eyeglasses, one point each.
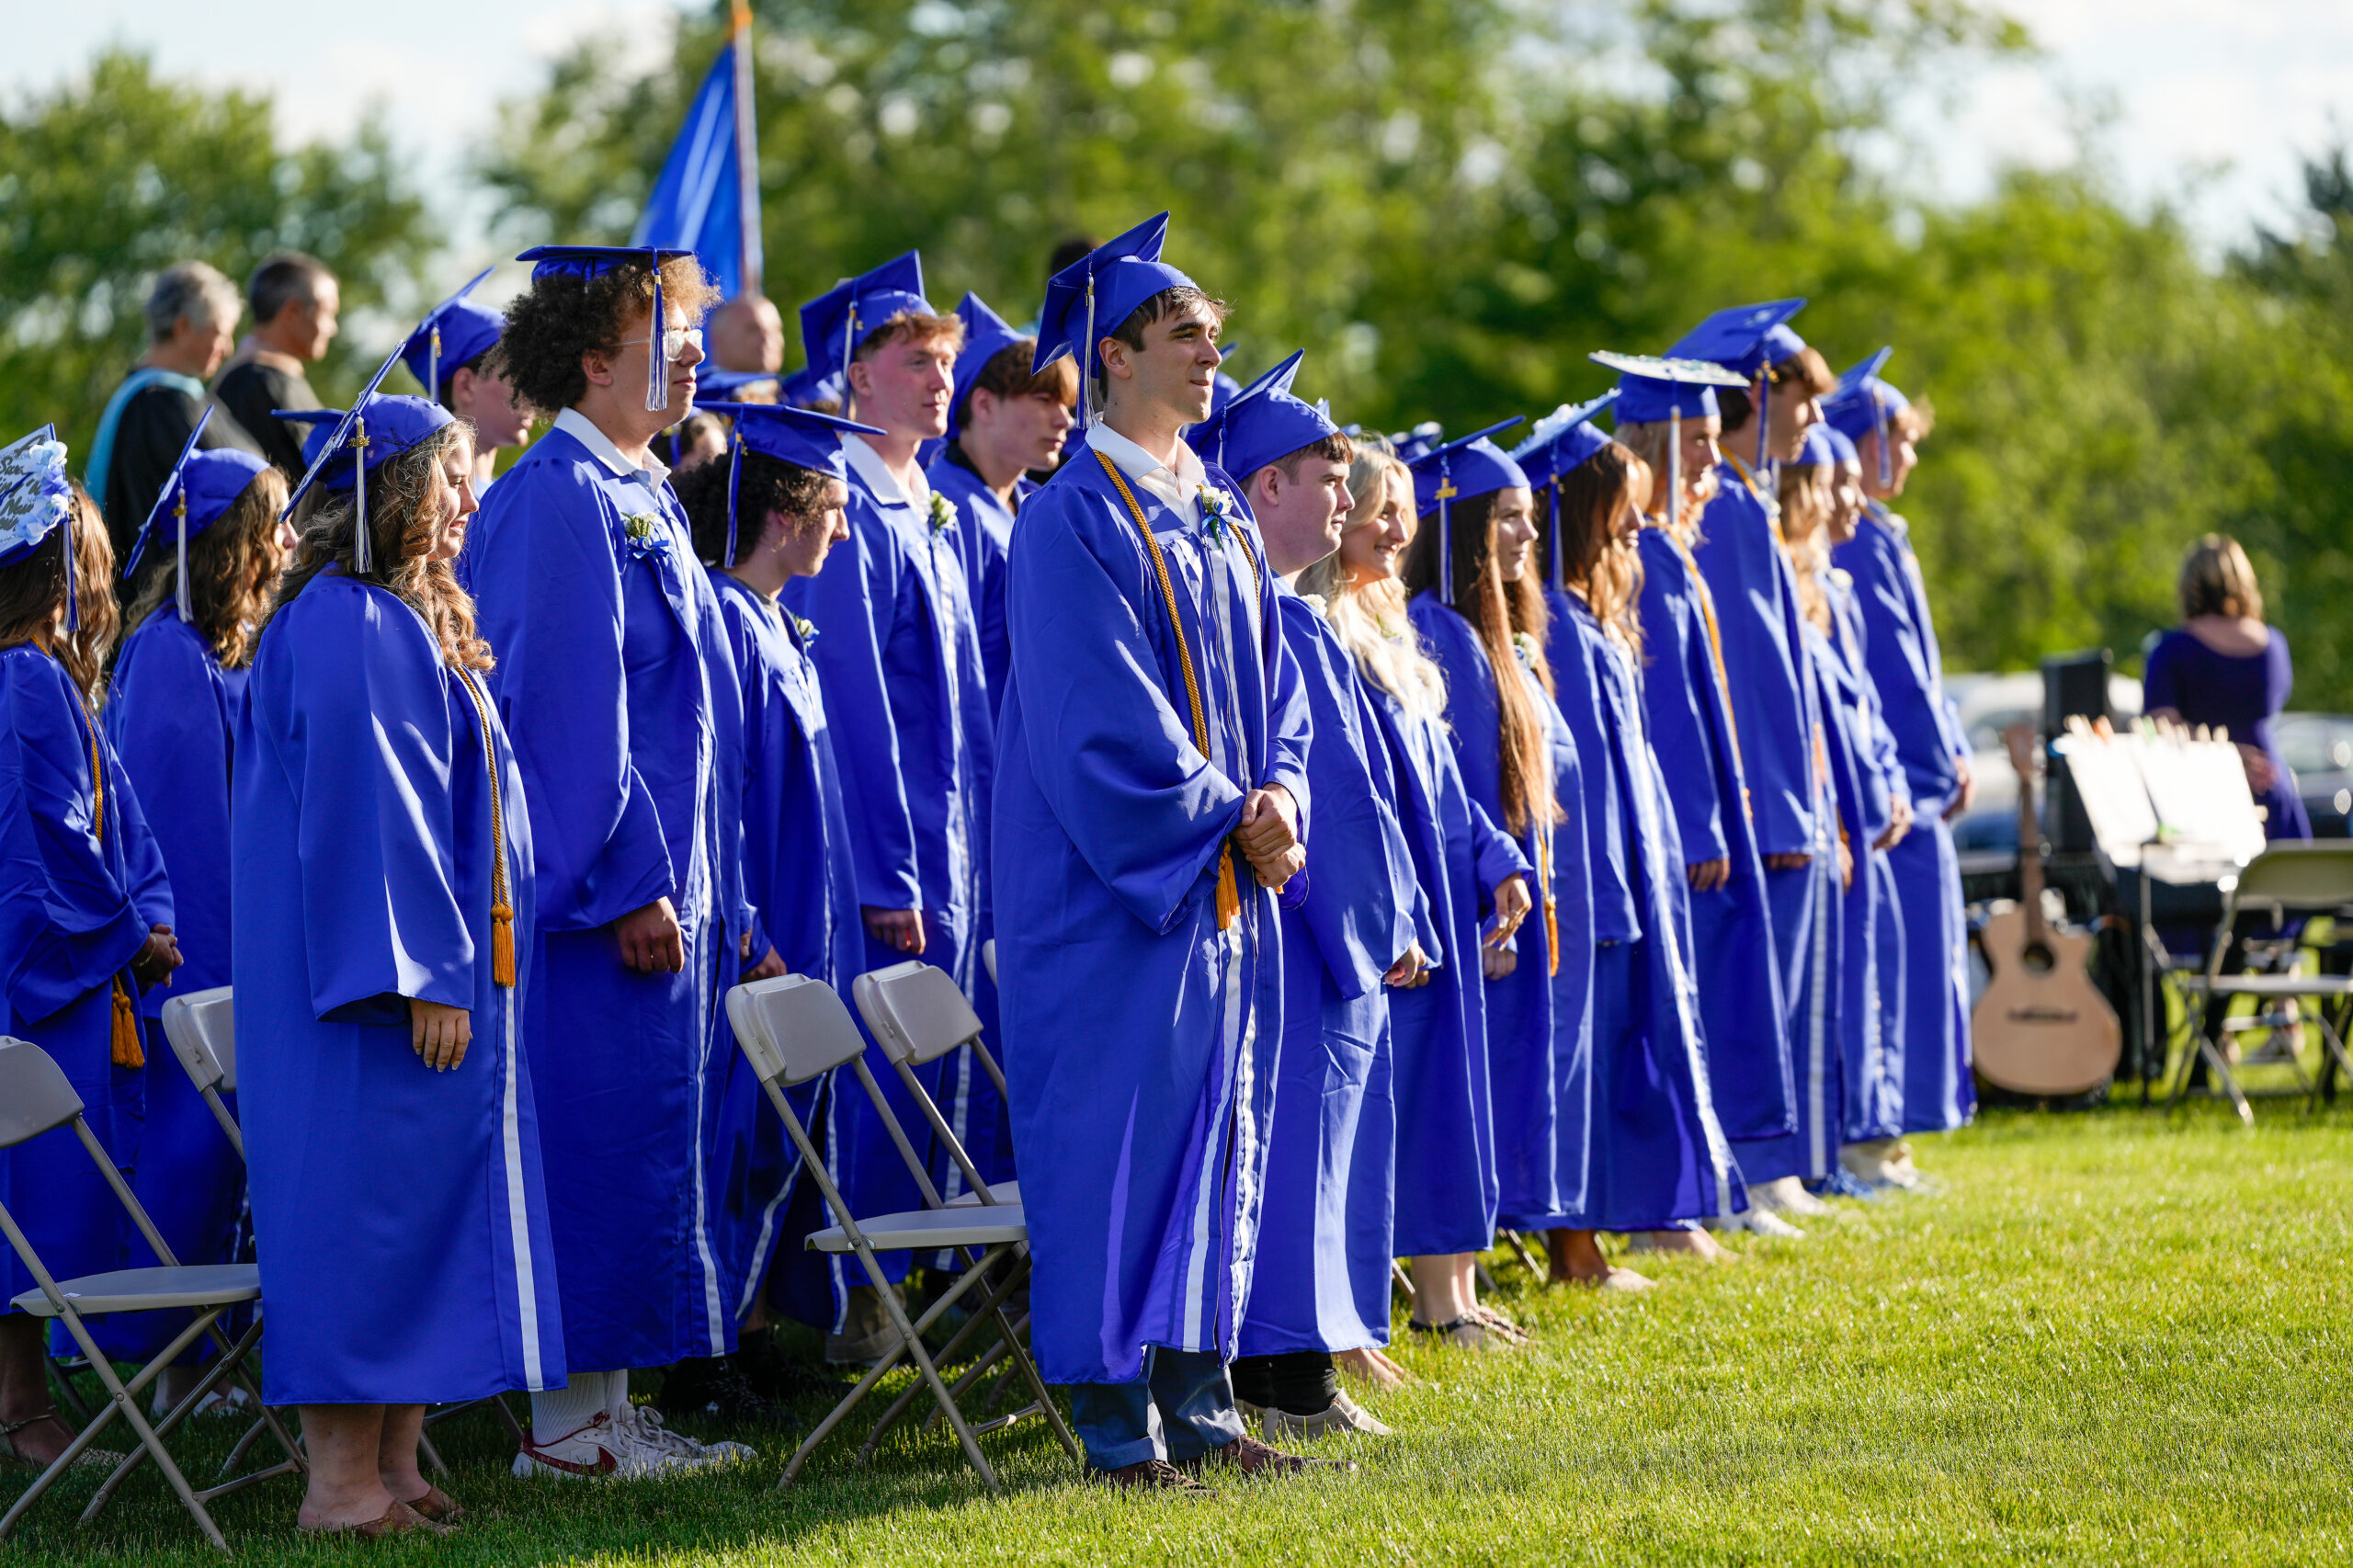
{"type": "Point", "coordinates": [674, 341]}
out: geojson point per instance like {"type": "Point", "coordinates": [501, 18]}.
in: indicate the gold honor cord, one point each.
{"type": "Point", "coordinates": [502, 898]}
{"type": "Point", "coordinates": [1551, 903]}
{"type": "Point", "coordinates": [1229, 892]}
{"type": "Point", "coordinates": [122, 1040]}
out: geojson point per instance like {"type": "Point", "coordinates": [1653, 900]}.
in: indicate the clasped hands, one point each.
{"type": "Point", "coordinates": [1268, 835]}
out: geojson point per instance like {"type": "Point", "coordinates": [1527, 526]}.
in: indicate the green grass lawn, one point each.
{"type": "Point", "coordinates": [2110, 1337]}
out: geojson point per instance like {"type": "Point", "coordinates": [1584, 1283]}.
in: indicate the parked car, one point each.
{"type": "Point", "coordinates": [2318, 748]}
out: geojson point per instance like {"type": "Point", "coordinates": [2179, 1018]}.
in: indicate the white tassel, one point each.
{"type": "Point", "coordinates": [180, 592]}
{"type": "Point", "coordinates": [361, 563]}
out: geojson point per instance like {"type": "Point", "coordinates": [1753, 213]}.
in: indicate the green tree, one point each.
{"type": "Point", "coordinates": [110, 178]}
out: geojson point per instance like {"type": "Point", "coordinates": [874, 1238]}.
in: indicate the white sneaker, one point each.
{"type": "Point", "coordinates": [597, 1448]}
{"type": "Point", "coordinates": [1344, 1415]}
{"type": "Point", "coordinates": [1786, 1196]}
{"type": "Point", "coordinates": [641, 1424]}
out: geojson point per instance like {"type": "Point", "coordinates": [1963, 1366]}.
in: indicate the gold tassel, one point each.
{"type": "Point", "coordinates": [1553, 930]}
{"type": "Point", "coordinates": [502, 945]}
{"type": "Point", "coordinates": [1229, 892]}
{"type": "Point", "coordinates": [124, 1046]}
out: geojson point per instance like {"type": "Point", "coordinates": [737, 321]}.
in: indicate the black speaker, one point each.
{"type": "Point", "coordinates": [2074, 685]}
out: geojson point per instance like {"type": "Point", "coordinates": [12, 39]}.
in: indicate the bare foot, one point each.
{"type": "Point", "coordinates": [1698, 1244]}
{"type": "Point", "coordinates": [1371, 1365]}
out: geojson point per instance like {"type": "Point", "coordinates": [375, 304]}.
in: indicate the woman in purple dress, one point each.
{"type": "Point", "coordinates": [2222, 667]}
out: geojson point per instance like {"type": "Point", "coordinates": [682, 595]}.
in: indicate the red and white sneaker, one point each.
{"type": "Point", "coordinates": [600, 1448]}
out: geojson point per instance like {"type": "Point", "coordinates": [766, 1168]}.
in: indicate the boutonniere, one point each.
{"type": "Point", "coordinates": [1217, 511]}
{"type": "Point", "coordinates": [1523, 647]}
{"type": "Point", "coordinates": [806, 628]}
{"type": "Point", "coordinates": [1319, 604]}
{"type": "Point", "coordinates": [646, 536]}
{"type": "Point", "coordinates": [943, 513]}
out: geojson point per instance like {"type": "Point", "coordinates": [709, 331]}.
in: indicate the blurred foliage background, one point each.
{"type": "Point", "coordinates": [1447, 203]}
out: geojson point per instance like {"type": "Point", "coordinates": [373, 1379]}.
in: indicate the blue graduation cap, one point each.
{"type": "Point", "coordinates": [805, 389]}
{"type": "Point", "coordinates": [1749, 339]}
{"type": "Point", "coordinates": [594, 261]}
{"type": "Point", "coordinates": [376, 428]}
{"type": "Point", "coordinates": [724, 381]}
{"type": "Point", "coordinates": [457, 330]}
{"type": "Point", "coordinates": [36, 495]}
{"type": "Point", "coordinates": [1562, 440]}
{"type": "Point", "coordinates": [833, 323]}
{"type": "Point", "coordinates": [1411, 444]}
{"type": "Point", "coordinates": [1862, 404]}
{"type": "Point", "coordinates": [1673, 390]}
{"type": "Point", "coordinates": [1262, 422]}
{"type": "Point", "coordinates": [1096, 293]}
{"type": "Point", "coordinates": [986, 335]}
{"type": "Point", "coordinates": [199, 491]}
{"type": "Point", "coordinates": [1827, 446]}
{"type": "Point", "coordinates": [1461, 469]}
{"type": "Point", "coordinates": [1223, 388]}
{"type": "Point", "coordinates": [801, 437]}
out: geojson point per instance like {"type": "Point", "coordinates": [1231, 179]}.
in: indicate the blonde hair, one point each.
{"type": "Point", "coordinates": [1805, 516]}
{"type": "Point", "coordinates": [1369, 619]}
{"type": "Point", "coordinates": [2218, 579]}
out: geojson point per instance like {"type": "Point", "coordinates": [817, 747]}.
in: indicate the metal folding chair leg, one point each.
{"type": "Point", "coordinates": [946, 1356]}
{"type": "Point", "coordinates": [1519, 1249]}
{"type": "Point", "coordinates": [224, 1366]}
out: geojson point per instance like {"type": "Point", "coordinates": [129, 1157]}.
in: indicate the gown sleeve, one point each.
{"type": "Point", "coordinates": [1896, 656]}
{"type": "Point", "coordinates": [1679, 731]}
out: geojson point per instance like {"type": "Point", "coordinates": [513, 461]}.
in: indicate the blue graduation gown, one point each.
{"type": "Point", "coordinates": [798, 874]}
{"type": "Point", "coordinates": [616, 679]}
{"type": "Point", "coordinates": [1446, 1185]}
{"type": "Point", "coordinates": [1907, 670]}
{"type": "Point", "coordinates": [171, 718]}
{"type": "Point", "coordinates": [1139, 1038]}
{"type": "Point", "coordinates": [983, 531]}
{"type": "Point", "coordinates": [1322, 1281]}
{"type": "Point", "coordinates": [81, 884]}
{"type": "Point", "coordinates": [399, 1213]}
{"type": "Point", "coordinates": [1659, 1153]}
{"type": "Point", "coordinates": [898, 651]}
{"type": "Point", "coordinates": [1871, 996]}
{"type": "Point", "coordinates": [1744, 1013]}
{"type": "Point", "coordinates": [1539, 1018]}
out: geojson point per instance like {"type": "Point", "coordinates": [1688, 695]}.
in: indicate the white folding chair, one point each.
{"type": "Point", "coordinates": [792, 1030]}
{"type": "Point", "coordinates": [35, 1098]}
{"type": "Point", "coordinates": [2292, 876]}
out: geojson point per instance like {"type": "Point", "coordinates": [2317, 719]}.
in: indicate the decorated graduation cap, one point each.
{"type": "Point", "coordinates": [198, 492]}
{"type": "Point", "coordinates": [1096, 293]}
{"type": "Point", "coordinates": [456, 332]}
{"type": "Point", "coordinates": [986, 335]}
{"type": "Point", "coordinates": [1461, 469]}
{"type": "Point", "coordinates": [376, 428]}
{"type": "Point", "coordinates": [1652, 390]}
{"type": "Point", "coordinates": [1861, 405]}
{"type": "Point", "coordinates": [1411, 444]}
{"type": "Point", "coordinates": [1263, 424]}
{"type": "Point", "coordinates": [833, 323]}
{"type": "Point", "coordinates": [36, 498]}
{"type": "Point", "coordinates": [1562, 440]}
{"type": "Point", "coordinates": [596, 261]}
{"type": "Point", "coordinates": [1751, 340]}
{"type": "Point", "coordinates": [801, 437]}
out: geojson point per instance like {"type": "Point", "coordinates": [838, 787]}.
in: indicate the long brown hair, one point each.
{"type": "Point", "coordinates": [400, 535]}
{"type": "Point", "coordinates": [1497, 609]}
{"type": "Point", "coordinates": [1805, 514]}
{"type": "Point", "coordinates": [233, 568]}
{"type": "Point", "coordinates": [1605, 572]}
{"type": "Point", "coordinates": [99, 617]}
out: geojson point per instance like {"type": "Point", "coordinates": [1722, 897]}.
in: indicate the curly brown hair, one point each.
{"type": "Point", "coordinates": [233, 568]}
{"type": "Point", "coordinates": [560, 318]}
{"type": "Point", "coordinates": [400, 534]}
{"type": "Point", "coordinates": [769, 486]}
{"type": "Point", "coordinates": [84, 650]}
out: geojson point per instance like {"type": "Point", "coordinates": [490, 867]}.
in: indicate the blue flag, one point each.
{"type": "Point", "coordinates": [698, 203]}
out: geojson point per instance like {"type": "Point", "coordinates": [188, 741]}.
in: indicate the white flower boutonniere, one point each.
{"type": "Point", "coordinates": [806, 628]}
{"type": "Point", "coordinates": [943, 513]}
{"type": "Point", "coordinates": [1217, 511]}
{"type": "Point", "coordinates": [646, 536]}
{"type": "Point", "coordinates": [1524, 648]}
{"type": "Point", "coordinates": [1319, 604]}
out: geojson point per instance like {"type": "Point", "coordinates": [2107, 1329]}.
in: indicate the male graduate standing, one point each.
{"type": "Point", "coordinates": [616, 677]}
{"type": "Point", "coordinates": [1349, 924]}
{"type": "Point", "coordinates": [450, 356]}
{"type": "Point", "coordinates": [1151, 790]}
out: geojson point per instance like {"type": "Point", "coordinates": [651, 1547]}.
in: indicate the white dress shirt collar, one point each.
{"type": "Point", "coordinates": [581, 428]}
{"type": "Point", "coordinates": [1180, 487]}
{"type": "Point", "coordinates": [879, 482]}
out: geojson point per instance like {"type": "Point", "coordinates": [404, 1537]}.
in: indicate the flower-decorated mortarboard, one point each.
{"type": "Point", "coordinates": [197, 494]}
{"type": "Point", "coordinates": [986, 335]}
{"type": "Point", "coordinates": [1264, 424]}
{"type": "Point", "coordinates": [36, 498]}
{"type": "Point", "coordinates": [1461, 469]}
{"type": "Point", "coordinates": [454, 332]}
{"type": "Point", "coordinates": [1564, 439]}
{"type": "Point", "coordinates": [1652, 390]}
{"type": "Point", "coordinates": [376, 428]}
{"type": "Point", "coordinates": [594, 261]}
{"type": "Point", "coordinates": [834, 323]}
{"type": "Point", "coordinates": [1094, 295]}
{"type": "Point", "coordinates": [801, 437]}
{"type": "Point", "coordinates": [1751, 340]}
{"type": "Point", "coordinates": [1862, 404]}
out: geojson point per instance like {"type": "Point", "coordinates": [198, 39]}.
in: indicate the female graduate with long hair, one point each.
{"type": "Point", "coordinates": [1444, 1179]}
{"type": "Point", "coordinates": [770, 513]}
{"type": "Point", "coordinates": [177, 692]}
{"type": "Point", "coordinates": [85, 922]}
{"type": "Point", "coordinates": [1659, 1159]}
{"type": "Point", "coordinates": [381, 901]}
{"type": "Point", "coordinates": [1481, 612]}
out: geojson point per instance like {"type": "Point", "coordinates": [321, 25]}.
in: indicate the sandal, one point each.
{"type": "Point", "coordinates": [398, 1519]}
{"type": "Point", "coordinates": [9, 1430]}
{"type": "Point", "coordinates": [1467, 1332]}
{"type": "Point", "coordinates": [437, 1506]}
{"type": "Point", "coordinates": [1490, 1318]}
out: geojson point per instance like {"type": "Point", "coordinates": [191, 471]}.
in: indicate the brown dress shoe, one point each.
{"type": "Point", "coordinates": [1151, 1475]}
{"type": "Point", "coordinates": [1253, 1458]}
{"type": "Point", "coordinates": [398, 1519]}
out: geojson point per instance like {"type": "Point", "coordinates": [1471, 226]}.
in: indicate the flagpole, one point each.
{"type": "Point", "coordinates": [747, 151]}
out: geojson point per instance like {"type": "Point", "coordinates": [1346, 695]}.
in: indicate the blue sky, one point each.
{"type": "Point", "coordinates": [2211, 105]}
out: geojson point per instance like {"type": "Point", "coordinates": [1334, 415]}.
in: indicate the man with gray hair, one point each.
{"type": "Point", "coordinates": [295, 301]}
{"type": "Point", "coordinates": [191, 320]}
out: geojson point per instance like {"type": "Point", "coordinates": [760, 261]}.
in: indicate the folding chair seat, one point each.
{"type": "Point", "coordinates": [2302, 877]}
{"type": "Point", "coordinates": [35, 1098]}
{"type": "Point", "coordinates": [793, 1029]}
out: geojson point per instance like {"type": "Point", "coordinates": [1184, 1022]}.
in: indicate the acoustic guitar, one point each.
{"type": "Point", "coordinates": [2041, 1027]}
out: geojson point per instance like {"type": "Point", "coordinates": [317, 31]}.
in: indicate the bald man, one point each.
{"type": "Point", "coordinates": [747, 334]}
